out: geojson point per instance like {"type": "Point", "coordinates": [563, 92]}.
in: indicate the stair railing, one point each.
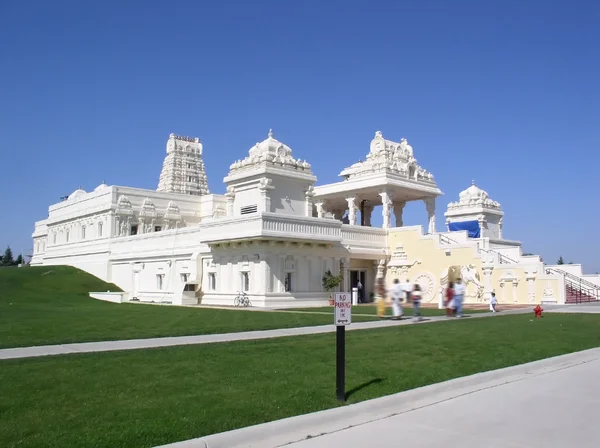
{"type": "Point", "coordinates": [583, 289]}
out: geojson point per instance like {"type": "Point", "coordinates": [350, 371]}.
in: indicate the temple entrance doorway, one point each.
{"type": "Point", "coordinates": [356, 277]}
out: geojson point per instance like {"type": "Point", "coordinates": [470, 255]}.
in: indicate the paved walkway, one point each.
{"type": "Point", "coordinates": [133, 344]}
{"type": "Point", "coordinates": [544, 404]}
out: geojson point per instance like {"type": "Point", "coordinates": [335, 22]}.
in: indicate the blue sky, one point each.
{"type": "Point", "coordinates": [505, 93]}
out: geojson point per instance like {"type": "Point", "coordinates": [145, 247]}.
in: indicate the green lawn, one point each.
{"type": "Point", "coordinates": [144, 398]}
{"type": "Point", "coordinates": [50, 305]}
{"type": "Point", "coordinates": [372, 310]}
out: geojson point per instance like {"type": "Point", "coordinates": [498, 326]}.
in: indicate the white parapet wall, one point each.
{"type": "Point", "coordinates": [115, 297]}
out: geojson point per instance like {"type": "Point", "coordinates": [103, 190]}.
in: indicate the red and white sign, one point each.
{"type": "Point", "coordinates": [343, 309]}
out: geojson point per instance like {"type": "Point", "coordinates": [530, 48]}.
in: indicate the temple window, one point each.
{"type": "Point", "coordinates": [134, 230]}
{"type": "Point", "coordinates": [212, 281]}
{"type": "Point", "coordinates": [159, 281]}
{"type": "Point", "coordinates": [99, 229]}
{"type": "Point", "coordinates": [288, 282]}
{"type": "Point", "coordinates": [67, 236]}
{"type": "Point", "coordinates": [184, 278]}
{"type": "Point", "coordinates": [245, 281]}
{"type": "Point", "coordinates": [54, 238]}
{"type": "Point", "coordinates": [83, 232]}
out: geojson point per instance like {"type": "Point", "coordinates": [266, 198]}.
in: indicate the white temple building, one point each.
{"type": "Point", "coordinates": [274, 234]}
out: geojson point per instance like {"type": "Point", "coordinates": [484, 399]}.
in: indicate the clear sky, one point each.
{"type": "Point", "coordinates": [505, 93]}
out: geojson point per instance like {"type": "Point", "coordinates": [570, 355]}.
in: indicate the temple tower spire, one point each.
{"type": "Point", "coordinates": [183, 169]}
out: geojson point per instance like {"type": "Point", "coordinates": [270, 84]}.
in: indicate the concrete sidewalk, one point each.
{"type": "Point", "coordinates": [133, 344]}
{"type": "Point", "coordinates": [549, 403]}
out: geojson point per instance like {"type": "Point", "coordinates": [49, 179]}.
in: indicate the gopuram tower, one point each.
{"type": "Point", "coordinates": [183, 169]}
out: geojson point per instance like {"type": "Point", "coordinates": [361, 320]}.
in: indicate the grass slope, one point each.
{"type": "Point", "coordinates": [50, 305]}
{"type": "Point", "coordinates": [145, 398]}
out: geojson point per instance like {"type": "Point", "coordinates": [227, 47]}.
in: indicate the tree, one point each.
{"type": "Point", "coordinates": [7, 259]}
{"type": "Point", "coordinates": [560, 260]}
{"type": "Point", "coordinates": [19, 260]}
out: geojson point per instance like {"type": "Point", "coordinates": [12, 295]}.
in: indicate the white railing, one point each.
{"type": "Point", "coordinates": [364, 236]}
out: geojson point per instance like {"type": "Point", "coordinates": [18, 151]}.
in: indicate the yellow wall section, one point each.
{"type": "Point", "coordinates": [434, 264]}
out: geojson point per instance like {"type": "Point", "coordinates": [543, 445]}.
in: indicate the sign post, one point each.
{"type": "Point", "coordinates": [343, 317]}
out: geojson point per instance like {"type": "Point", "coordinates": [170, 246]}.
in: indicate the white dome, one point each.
{"type": "Point", "coordinates": [270, 146]}
{"type": "Point", "coordinates": [473, 193]}
{"type": "Point", "coordinates": [474, 196]}
{"type": "Point", "coordinates": [273, 152]}
{"type": "Point", "coordinates": [77, 194]}
{"type": "Point", "coordinates": [102, 186]}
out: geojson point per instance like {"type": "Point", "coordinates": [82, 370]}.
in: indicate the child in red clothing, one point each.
{"type": "Point", "coordinates": [448, 301]}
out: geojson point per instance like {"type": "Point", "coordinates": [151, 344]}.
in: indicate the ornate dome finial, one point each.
{"type": "Point", "coordinates": [473, 182]}
{"type": "Point", "coordinates": [270, 133]}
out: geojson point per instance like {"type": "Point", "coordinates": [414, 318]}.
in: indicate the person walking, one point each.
{"type": "Point", "coordinates": [359, 286]}
{"type": "Point", "coordinates": [449, 300]}
{"type": "Point", "coordinates": [459, 292]}
{"type": "Point", "coordinates": [416, 296]}
{"type": "Point", "coordinates": [397, 297]}
{"type": "Point", "coordinates": [493, 302]}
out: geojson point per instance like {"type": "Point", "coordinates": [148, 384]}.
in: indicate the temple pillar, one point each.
{"type": "Point", "coordinates": [398, 210]}
{"type": "Point", "coordinates": [352, 209]}
{"type": "Point", "coordinates": [387, 209]}
{"type": "Point", "coordinates": [230, 196]}
{"type": "Point", "coordinates": [309, 195]}
{"type": "Point", "coordinates": [430, 205]}
{"type": "Point", "coordinates": [500, 229]}
{"type": "Point", "coordinates": [263, 188]}
{"type": "Point", "coordinates": [345, 270]}
{"type": "Point", "coordinates": [481, 221]}
{"type": "Point", "coordinates": [320, 209]}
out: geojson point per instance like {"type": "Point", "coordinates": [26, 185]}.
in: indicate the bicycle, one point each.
{"type": "Point", "coordinates": [241, 299]}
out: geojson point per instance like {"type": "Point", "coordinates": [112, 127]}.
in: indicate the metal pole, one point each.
{"type": "Point", "coordinates": [340, 371]}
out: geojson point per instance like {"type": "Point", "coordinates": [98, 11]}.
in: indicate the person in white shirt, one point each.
{"type": "Point", "coordinates": [493, 302]}
{"type": "Point", "coordinates": [397, 292]}
{"type": "Point", "coordinates": [459, 292]}
{"type": "Point", "coordinates": [417, 295]}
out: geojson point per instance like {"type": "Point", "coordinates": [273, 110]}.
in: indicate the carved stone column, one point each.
{"type": "Point", "coordinates": [398, 210]}
{"type": "Point", "coordinates": [352, 209]}
{"type": "Point", "coordinates": [309, 195]}
{"type": "Point", "coordinates": [345, 268]}
{"type": "Point", "coordinates": [368, 211]}
{"type": "Point", "coordinates": [481, 221]}
{"type": "Point", "coordinates": [387, 209]}
{"type": "Point", "coordinates": [230, 196]}
{"type": "Point", "coordinates": [430, 205]}
{"type": "Point", "coordinates": [264, 188]}
{"type": "Point", "coordinates": [320, 209]}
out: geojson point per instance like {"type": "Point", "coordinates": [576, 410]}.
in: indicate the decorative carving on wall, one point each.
{"type": "Point", "coordinates": [472, 281]}
{"type": "Point", "coordinates": [427, 283]}
{"type": "Point", "coordinates": [399, 264]}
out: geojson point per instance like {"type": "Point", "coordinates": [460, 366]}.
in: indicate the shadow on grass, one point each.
{"type": "Point", "coordinates": [363, 386]}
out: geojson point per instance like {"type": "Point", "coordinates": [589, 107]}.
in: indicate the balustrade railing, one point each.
{"type": "Point", "coordinates": [578, 289]}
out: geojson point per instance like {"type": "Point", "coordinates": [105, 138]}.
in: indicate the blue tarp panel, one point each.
{"type": "Point", "coordinates": [472, 227]}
